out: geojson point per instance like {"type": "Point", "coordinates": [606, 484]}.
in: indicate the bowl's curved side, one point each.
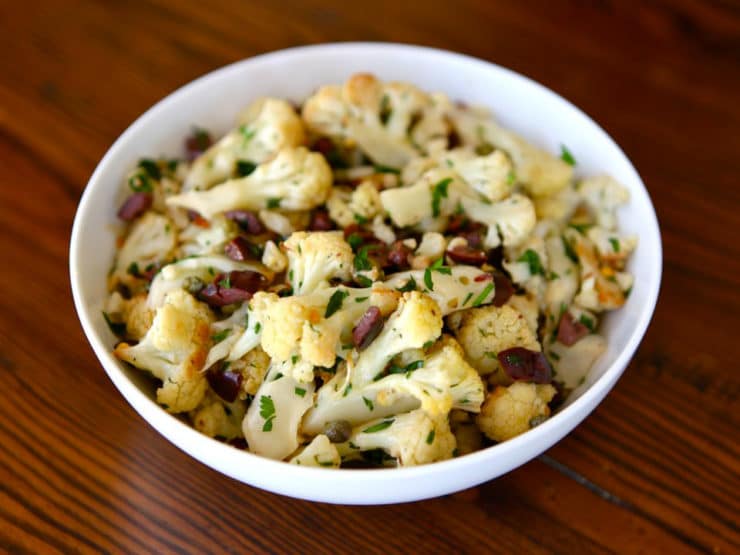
{"type": "Point", "coordinates": [213, 101]}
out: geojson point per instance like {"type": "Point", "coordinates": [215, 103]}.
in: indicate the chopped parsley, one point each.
{"type": "Point", "coordinates": [257, 327]}
{"type": "Point", "coordinates": [133, 269]}
{"type": "Point", "coordinates": [436, 266]}
{"type": "Point", "coordinates": [408, 369]}
{"type": "Point", "coordinates": [587, 321]}
{"type": "Point", "coordinates": [533, 261]}
{"type": "Point", "coordinates": [300, 391]}
{"type": "Point", "coordinates": [364, 281]}
{"type": "Point", "coordinates": [220, 336]}
{"type": "Point", "coordinates": [467, 298]}
{"type": "Point", "coordinates": [362, 262]}
{"type": "Point", "coordinates": [151, 168]}
{"type": "Point", "coordinates": [294, 359]}
{"type": "Point", "coordinates": [354, 240]}
{"type": "Point", "coordinates": [386, 169]}
{"type": "Point", "coordinates": [379, 427]}
{"type": "Point", "coordinates": [581, 228]}
{"type": "Point", "coordinates": [430, 437]}
{"type": "Point", "coordinates": [614, 243]}
{"type": "Point", "coordinates": [267, 412]}
{"type": "Point", "coordinates": [361, 299]}
{"type": "Point", "coordinates": [245, 167]}
{"type": "Point", "coordinates": [480, 299]}
{"type": "Point", "coordinates": [347, 390]}
{"type": "Point", "coordinates": [368, 403]}
{"type": "Point", "coordinates": [246, 133]}
{"type": "Point", "coordinates": [140, 183]}
{"type": "Point", "coordinates": [438, 193]}
{"type": "Point", "coordinates": [360, 219]}
{"type": "Point", "coordinates": [225, 282]}
{"type": "Point", "coordinates": [566, 156]}
{"type": "Point", "coordinates": [274, 202]}
{"type": "Point", "coordinates": [410, 286]}
{"type": "Point", "coordinates": [510, 177]}
{"type": "Point", "coordinates": [385, 109]}
{"type": "Point", "coordinates": [335, 302]}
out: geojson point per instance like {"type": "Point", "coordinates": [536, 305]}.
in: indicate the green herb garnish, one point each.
{"type": "Point", "coordinates": [274, 202]}
{"type": "Point", "coordinates": [118, 328]}
{"type": "Point", "coordinates": [430, 438]}
{"type": "Point", "coordinates": [566, 156]}
{"type": "Point", "coordinates": [533, 261]}
{"type": "Point", "coordinates": [220, 336]}
{"type": "Point", "coordinates": [588, 322]}
{"type": "Point", "coordinates": [245, 167]}
{"type": "Point", "coordinates": [335, 302]}
{"type": "Point", "coordinates": [151, 168]}
{"type": "Point", "coordinates": [267, 412]}
{"type": "Point", "coordinates": [438, 193]}
{"type": "Point", "coordinates": [368, 403]}
{"type": "Point", "coordinates": [410, 286]}
{"type": "Point", "coordinates": [482, 297]}
{"type": "Point", "coordinates": [379, 427]}
{"type": "Point", "coordinates": [300, 391]}
{"type": "Point", "coordinates": [614, 243]}
{"type": "Point", "coordinates": [386, 169]}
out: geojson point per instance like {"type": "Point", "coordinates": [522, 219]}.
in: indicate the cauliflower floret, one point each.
{"type": "Point", "coordinates": [196, 240]}
{"type": "Point", "coordinates": [527, 266]}
{"type": "Point", "coordinates": [613, 248]}
{"type": "Point", "coordinates": [540, 172]}
{"type": "Point", "coordinates": [436, 382]}
{"type": "Point", "coordinates": [174, 350]}
{"type": "Point", "coordinates": [599, 289]}
{"type": "Point", "coordinates": [253, 368]}
{"type": "Point", "coordinates": [267, 126]}
{"type": "Point", "coordinates": [273, 258]}
{"type": "Point", "coordinates": [274, 416]}
{"type": "Point", "coordinates": [454, 288]}
{"type": "Point", "coordinates": [133, 314]}
{"type": "Point", "coordinates": [347, 206]}
{"type": "Point", "coordinates": [215, 417]}
{"type": "Point", "coordinates": [295, 179]}
{"type": "Point", "coordinates": [432, 247]}
{"type": "Point", "coordinates": [383, 231]}
{"type": "Point", "coordinates": [509, 221]}
{"type": "Point", "coordinates": [315, 258]}
{"type": "Point", "coordinates": [426, 202]}
{"type": "Point", "coordinates": [572, 363]}
{"type": "Point", "coordinates": [558, 207]}
{"type": "Point", "coordinates": [510, 411]}
{"type": "Point", "coordinates": [196, 269]}
{"type": "Point", "coordinates": [150, 241]}
{"type": "Point", "coordinates": [528, 307]}
{"type": "Point", "coordinates": [467, 434]}
{"type": "Point", "coordinates": [416, 321]}
{"type": "Point", "coordinates": [603, 195]}
{"type": "Point", "coordinates": [491, 175]}
{"type": "Point", "coordinates": [390, 122]}
{"type": "Point", "coordinates": [413, 438]}
{"type": "Point", "coordinates": [484, 332]}
{"type": "Point", "coordinates": [563, 276]}
{"type": "Point", "coordinates": [299, 325]}
{"type": "Point", "coordinates": [320, 452]}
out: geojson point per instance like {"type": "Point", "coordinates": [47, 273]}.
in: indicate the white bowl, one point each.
{"type": "Point", "coordinates": [213, 101]}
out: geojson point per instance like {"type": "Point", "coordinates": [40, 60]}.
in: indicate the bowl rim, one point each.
{"type": "Point", "coordinates": [210, 451]}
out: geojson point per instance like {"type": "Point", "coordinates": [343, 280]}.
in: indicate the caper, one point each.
{"type": "Point", "coordinates": [338, 431]}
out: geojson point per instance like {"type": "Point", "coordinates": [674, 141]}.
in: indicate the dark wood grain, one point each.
{"type": "Point", "coordinates": [654, 470]}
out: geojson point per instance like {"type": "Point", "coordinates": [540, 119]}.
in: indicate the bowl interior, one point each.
{"type": "Point", "coordinates": [212, 102]}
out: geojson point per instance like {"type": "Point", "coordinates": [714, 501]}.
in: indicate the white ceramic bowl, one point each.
{"type": "Point", "coordinates": [213, 102]}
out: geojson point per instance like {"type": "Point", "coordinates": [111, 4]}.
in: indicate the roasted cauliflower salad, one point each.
{"type": "Point", "coordinates": [379, 277]}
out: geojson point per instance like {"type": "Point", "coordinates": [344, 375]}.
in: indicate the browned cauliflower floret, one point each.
{"type": "Point", "coordinates": [486, 331]}
{"type": "Point", "coordinates": [510, 411]}
{"type": "Point", "coordinates": [174, 350]}
{"type": "Point", "coordinates": [215, 417]}
{"type": "Point", "coordinates": [253, 367]}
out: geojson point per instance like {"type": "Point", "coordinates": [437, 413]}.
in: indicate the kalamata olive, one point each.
{"type": "Point", "coordinates": [368, 328]}
{"type": "Point", "coordinates": [197, 143]}
{"type": "Point", "coordinates": [496, 257]}
{"type": "Point", "coordinates": [320, 221]}
{"type": "Point", "coordinates": [134, 206]}
{"type": "Point", "coordinates": [224, 382]}
{"type": "Point", "coordinates": [247, 220]}
{"type": "Point", "coordinates": [503, 291]}
{"type": "Point", "coordinates": [338, 431]}
{"type": "Point", "coordinates": [571, 331]}
{"type": "Point", "coordinates": [232, 287]}
{"type": "Point", "coordinates": [467, 255]}
{"type": "Point", "coordinates": [398, 255]}
{"type": "Point", "coordinates": [238, 249]}
{"type": "Point", "coordinates": [474, 238]}
{"type": "Point", "coordinates": [324, 145]}
{"type": "Point", "coordinates": [521, 364]}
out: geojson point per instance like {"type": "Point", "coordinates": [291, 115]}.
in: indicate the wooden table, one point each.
{"type": "Point", "coordinates": [655, 469]}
